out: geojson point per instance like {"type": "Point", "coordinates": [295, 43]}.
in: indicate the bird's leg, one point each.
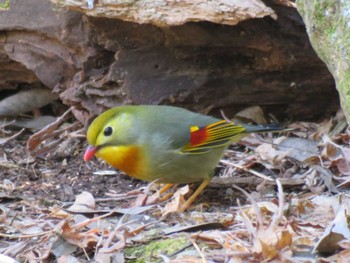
{"type": "Point", "coordinates": [163, 190]}
{"type": "Point", "coordinates": [193, 197]}
{"type": "Point", "coordinates": [156, 197]}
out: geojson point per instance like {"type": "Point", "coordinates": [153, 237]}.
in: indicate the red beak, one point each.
{"type": "Point", "coordinates": [89, 153]}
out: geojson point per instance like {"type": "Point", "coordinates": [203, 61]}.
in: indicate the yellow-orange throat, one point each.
{"type": "Point", "coordinates": [129, 159]}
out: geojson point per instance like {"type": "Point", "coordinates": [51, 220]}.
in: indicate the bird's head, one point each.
{"type": "Point", "coordinates": [111, 128]}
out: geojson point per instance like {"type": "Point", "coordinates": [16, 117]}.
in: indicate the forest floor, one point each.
{"type": "Point", "coordinates": [294, 207]}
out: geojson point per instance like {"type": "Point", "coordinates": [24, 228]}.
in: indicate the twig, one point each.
{"type": "Point", "coordinates": [5, 124]}
{"type": "Point", "coordinates": [6, 140]}
{"type": "Point", "coordinates": [221, 182]}
{"type": "Point", "coordinates": [120, 198]}
{"type": "Point", "coordinates": [224, 116]}
{"type": "Point", "coordinates": [204, 260]}
{"type": "Point", "coordinates": [36, 139]}
{"type": "Point", "coordinates": [176, 252]}
{"type": "Point", "coordinates": [26, 236]}
{"type": "Point", "coordinates": [9, 165]}
{"type": "Point", "coordinates": [247, 170]}
{"type": "Point", "coordinates": [277, 217]}
{"type": "Point", "coordinates": [254, 204]}
{"type": "Point", "coordinates": [86, 254]}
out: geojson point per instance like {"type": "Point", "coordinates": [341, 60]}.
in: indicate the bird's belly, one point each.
{"type": "Point", "coordinates": [159, 165]}
{"type": "Point", "coordinates": [176, 168]}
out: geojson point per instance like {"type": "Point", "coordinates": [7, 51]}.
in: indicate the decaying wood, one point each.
{"type": "Point", "coordinates": [172, 13]}
{"type": "Point", "coordinates": [95, 63]}
{"type": "Point", "coordinates": [226, 182]}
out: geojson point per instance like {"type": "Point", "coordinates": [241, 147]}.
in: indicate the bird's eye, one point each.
{"type": "Point", "coordinates": [108, 131]}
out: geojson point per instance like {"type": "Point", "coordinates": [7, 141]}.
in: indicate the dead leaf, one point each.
{"type": "Point", "coordinates": [30, 230]}
{"type": "Point", "coordinates": [343, 161]}
{"type": "Point", "coordinates": [28, 226]}
{"type": "Point", "coordinates": [141, 200]}
{"type": "Point", "coordinates": [270, 154]}
{"type": "Point", "coordinates": [344, 244]}
{"type": "Point", "coordinates": [134, 210]}
{"type": "Point", "coordinates": [337, 231]}
{"type": "Point", "coordinates": [84, 202]}
{"type": "Point", "coordinates": [253, 114]}
{"type": "Point", "coordinates": [270, 239]}
{"type": "Point", "coordinates": [214, 237]}
{"type": "Point", "coordinates": [327, 177]}
{"type": "Point", "coordinates": [298, 148]}
{"type": "Point", "coordinates": [324, 128]}
{"type": "Point", "coordinates": [341, 257]}
{"type": "Point", "coordinates": [60, 247]}
{"type": "Point", "coordinates": [67, 259]}
{"type": "Point", "coordinates": [285, 240]}
{"type": "Point", "coordinates": [303, 241]}
{"type": "Point", "coordinates": [37, 255]}
{"type": "Point", "coordinates": [178, 200]}
{"type": "Point", "coordinates": [76, 236]}
{"type": "Point", "coordinates": [303, 129]}
{"type": "Point", "coordinates": [194, 228]}
{"type": "Point", "coordinates": [342, 165]}
{"type": "Point", "coordinates": [330, 150]}
{"type": "Point", "coordinates": [268, 251]}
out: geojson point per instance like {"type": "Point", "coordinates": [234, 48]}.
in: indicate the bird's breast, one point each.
{"type": "Point", "coordinates": [129, 159]}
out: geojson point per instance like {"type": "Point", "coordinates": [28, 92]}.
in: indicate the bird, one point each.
{"type": "Point", "coordinates": [166, 144]}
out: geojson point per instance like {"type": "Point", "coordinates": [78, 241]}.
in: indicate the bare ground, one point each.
{"type": "Point", "coordinates": [37, 195]}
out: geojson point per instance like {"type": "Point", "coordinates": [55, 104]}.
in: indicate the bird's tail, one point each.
{"type": "Point", "coordinates": [264, 128]}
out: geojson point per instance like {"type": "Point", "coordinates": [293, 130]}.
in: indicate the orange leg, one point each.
{"type": "Point", "coordinates": [193, 197]}
{"type": "Point", "coordinates": [163, 190]}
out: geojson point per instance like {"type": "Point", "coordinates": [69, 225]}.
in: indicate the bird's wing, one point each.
{"type": "Point", "coordinates": [203, 139]}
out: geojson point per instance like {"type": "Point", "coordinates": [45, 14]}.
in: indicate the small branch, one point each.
{"type": "Point", "coordinates": [28, 236]}
{"type": "Point", "coordinates": [6, 140]}
{"type": "Point", "coordinates": [222, 182]}
{"type": "Point", "coordinates": [248, 170]}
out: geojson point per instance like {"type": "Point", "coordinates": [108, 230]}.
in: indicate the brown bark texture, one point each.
{"type": "Point", "coordinates": [96, 63]}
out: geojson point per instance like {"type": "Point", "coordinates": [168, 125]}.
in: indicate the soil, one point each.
{"type": "Point", "coordinates": [51, 178]}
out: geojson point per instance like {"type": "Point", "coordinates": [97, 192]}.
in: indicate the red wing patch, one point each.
{"type": "Point", "coordinates": [214, 135]}
{"type": "Point", "coordinates": [198, 135]}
